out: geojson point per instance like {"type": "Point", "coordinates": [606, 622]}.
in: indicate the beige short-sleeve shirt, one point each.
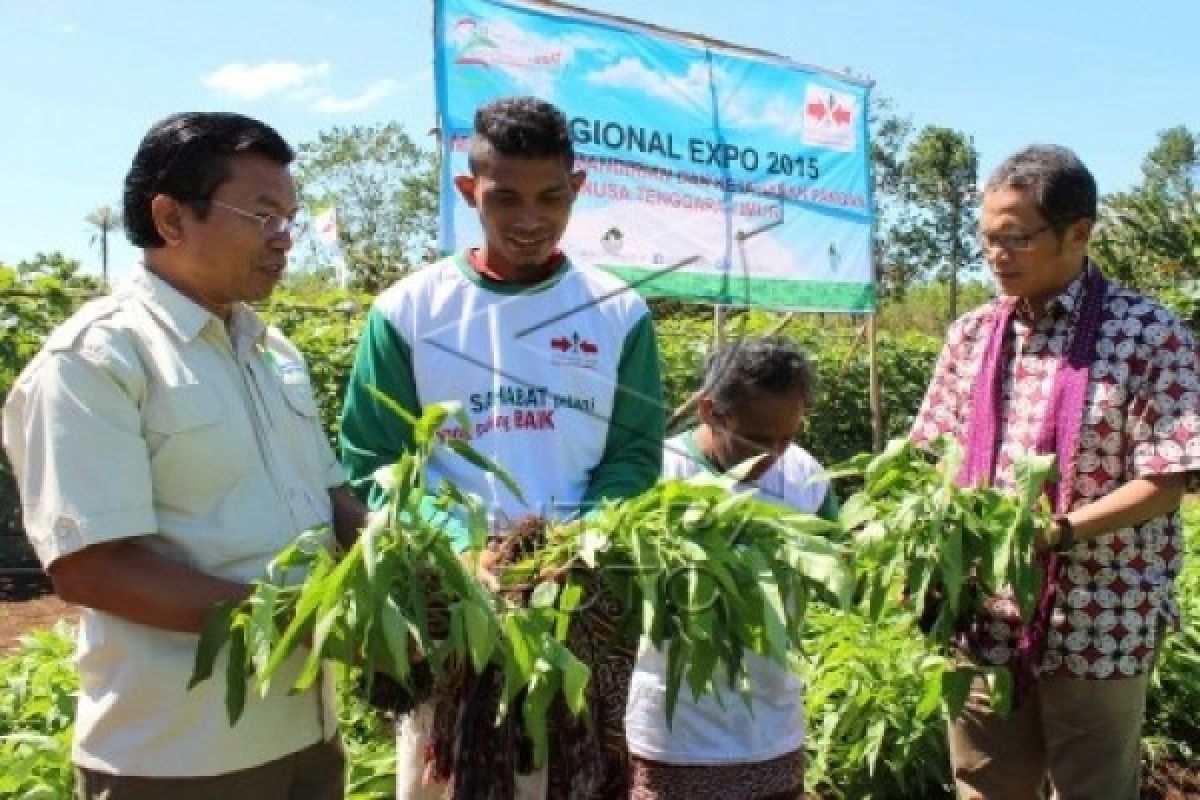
{"type": "Point", "coordinates": [144, 416]}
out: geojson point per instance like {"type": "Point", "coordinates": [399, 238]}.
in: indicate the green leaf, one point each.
{"type": "Point", "coordinates": [951, 562]}
{"type": "Point", "coordinates": [956, 688]}
{"type": "Point", "coordinates": [479, 634]}
{"type": "Point", "coordinates": [392, 405]}
{"type": "Point", "coordinates": [544, 595]}
{"type": "Point", "coordinates": [235, 675]}
{"type": "Point", "coordinates": [213, 636]}
{"type": "Point", "coordinates": [482, 462]}
{"type": "Point", "coordinates": [395, 635]}
{"type": "Point", "coordinates": [575, 675]}
{"type": "Point", "coordinates": [1000, 683]}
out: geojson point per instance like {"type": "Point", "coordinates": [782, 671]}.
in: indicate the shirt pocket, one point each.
{"type": "Point", "coordinates": [194, 452]}
{"type": "Point", "coordinates": [304, 438]}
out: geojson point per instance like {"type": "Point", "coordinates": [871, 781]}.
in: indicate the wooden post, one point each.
{"type": "Point", "coordinates": [718, 326]}
{"type": "Point", "coordinates": [875, 399]}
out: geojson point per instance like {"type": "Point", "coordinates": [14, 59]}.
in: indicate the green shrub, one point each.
{"type": "Point", "coordinates": [875, 726]}
{"type": "Point", "coordinates": [1173, 704]}
{"type": "Point", "coordinates": [37, 710]}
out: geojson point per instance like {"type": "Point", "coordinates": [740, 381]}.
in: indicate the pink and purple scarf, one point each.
{"type": "Point", "coordinates": [1059, 434]}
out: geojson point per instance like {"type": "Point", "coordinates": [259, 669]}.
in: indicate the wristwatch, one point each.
{"type": "Point", "coordinates": [1066, 535]}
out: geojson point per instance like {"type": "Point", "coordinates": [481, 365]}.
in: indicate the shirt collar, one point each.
{"type": "Point", "coordinates": [1062, 304]}
{"type": "Point", "coordinates": [185, 317]}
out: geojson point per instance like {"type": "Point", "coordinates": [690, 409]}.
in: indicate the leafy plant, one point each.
{"type": "Point", "coordinates": [707, 573]}
{"type": "Point", "coordinates": [1173, 703]}
{"type": "Point", "coordinates": [37, 711]}
{"type": "Point", "coordinates": [369, 741]}
{"type": "Point", "coordinates": [876, 720]}
{"type": "Point", "coordinates": [947, 548]}
{"type": "Point", "coordinates": [400, 596]}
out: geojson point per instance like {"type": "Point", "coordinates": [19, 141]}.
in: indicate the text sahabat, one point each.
{"type": "Point", "coordinates": [631, 138]}
{"type": "Point", "coordinates": [527, 397]}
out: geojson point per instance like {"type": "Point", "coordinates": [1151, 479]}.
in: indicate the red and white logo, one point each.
{"type": "Point", "coordinates": [830, 118]}
{"type": "Point", "coordinates": [574, 350]}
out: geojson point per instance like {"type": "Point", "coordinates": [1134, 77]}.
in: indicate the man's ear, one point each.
{"type": "Point", "coordinates": [167, 214]}
{"type": "Point", "coordinates": [704, 410]}
{"type": "Point", "coordinates": [466, 187]}
{"type": "Point", "coordinates": [1080, 232]}
{"type": "Point", "coordinates": [578, 178]}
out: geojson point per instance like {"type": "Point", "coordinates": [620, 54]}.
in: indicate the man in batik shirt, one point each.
{"type": "Point", "coordinates": [1065, 362]}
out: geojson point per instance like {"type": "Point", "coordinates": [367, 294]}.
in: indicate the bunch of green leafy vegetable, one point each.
{"type": "Point", "coordinates": [704, 571]}
{"type": "Point", "coordinates": [400, 596]}
{"type": "Point", "coordinates": [946, 548]}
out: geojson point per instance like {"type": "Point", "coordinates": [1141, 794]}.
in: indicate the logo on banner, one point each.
{"type": "Point", "coordinates": [574, 350]}
{"type": "Point", "coordinates": [829, 118]}
{"type": "Point", "coordinates": [482, 45]}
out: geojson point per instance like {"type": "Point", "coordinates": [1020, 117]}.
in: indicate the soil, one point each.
{"type": "Point", "coordinates": [28, 601]}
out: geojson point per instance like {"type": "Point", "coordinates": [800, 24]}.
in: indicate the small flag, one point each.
{"type": "Point", "coordinates": [325, 231]}
{"type": "Point", "coordinates": [325, 226]}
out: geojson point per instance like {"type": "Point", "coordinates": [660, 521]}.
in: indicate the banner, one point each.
{"type": "Point", "coordinates": [715, 174]}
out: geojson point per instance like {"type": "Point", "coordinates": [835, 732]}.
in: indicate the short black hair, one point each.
{"type": "Point", "coordinates": [763, 364]}
{"type": "Point", "coordinates": [520, 127]}
{"type": "Point", "coordinates": [1064, 189]}
{"type": "Point", "coordinates": [185, 156]}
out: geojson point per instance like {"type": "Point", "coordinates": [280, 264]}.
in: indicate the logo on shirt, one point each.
{"type": "Point", "coordinates": [574, 350]}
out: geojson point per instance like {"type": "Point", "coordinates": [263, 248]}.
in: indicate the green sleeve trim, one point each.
{"type": "Point", "coordinates": [632, 459]}
{"type": "Point", "coordinates": [829, 506]}
{"type": "Point", "coordinates": [371, 435]}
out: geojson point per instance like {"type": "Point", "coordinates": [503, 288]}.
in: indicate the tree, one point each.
{"type": "Point", "coordinates": [889, 136]}
{"type": "Point", "coordinates": [56, 267]}
{"type": "Point", "coordinates": [936, 232]}
{"type": "Point", "coordinates": [1171, 166]}
{"type": "Point", "coordinates": [385, 189]}
{"type": "Point", "coordinates": [1149, 237]}
{"type": "Point", "coordinates": [105, 220]}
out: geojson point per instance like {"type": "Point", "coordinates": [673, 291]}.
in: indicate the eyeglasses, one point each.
{"type": "Point", "coordinates": [272, 225]}
{"type": "Point", "coordinates": [1010, 241]}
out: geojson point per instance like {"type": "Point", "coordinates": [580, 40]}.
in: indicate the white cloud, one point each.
{"type": "Point", "coordinates": [785, 117]}
{"type": "Point", "coordinates": [331, 104]}
{"type": "Point", "coordinates": [688, 89]}
{"type": "Point", "coordinates": [252, 81]}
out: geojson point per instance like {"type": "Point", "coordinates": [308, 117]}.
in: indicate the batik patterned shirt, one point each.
{"type": "Point", "coordinates": [1141, 418]}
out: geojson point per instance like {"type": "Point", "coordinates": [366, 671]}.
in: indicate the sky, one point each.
{"type": "Point", "coordinates": [81, 81]}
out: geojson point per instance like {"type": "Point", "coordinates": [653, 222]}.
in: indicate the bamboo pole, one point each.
{"type": "Point", "coordinates": [875, 398]}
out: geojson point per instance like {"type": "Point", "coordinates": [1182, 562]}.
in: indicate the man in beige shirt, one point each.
{"type": "Point", "coordinates": [167, 445]}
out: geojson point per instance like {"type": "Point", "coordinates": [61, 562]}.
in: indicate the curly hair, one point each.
{"type": "Point", "coordinates": [520, 127]}
{"type": "Point", "coordinates": [185, 156]}
{"type": "Point", "coordinates": [765, 364]}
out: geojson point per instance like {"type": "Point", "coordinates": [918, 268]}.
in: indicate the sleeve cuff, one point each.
{"type": "Point", "coordinates": [54, 535]}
